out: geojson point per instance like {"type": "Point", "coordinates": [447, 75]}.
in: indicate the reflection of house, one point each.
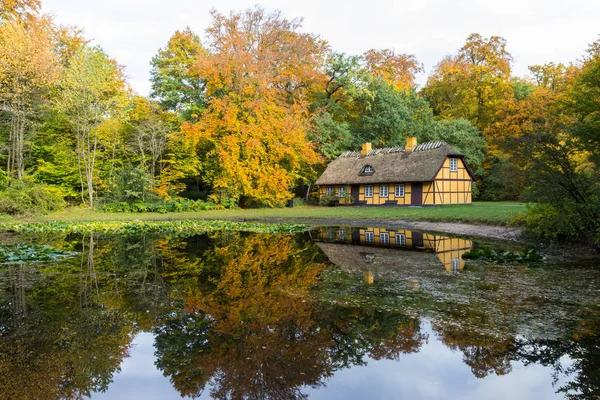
{"type": "Point", "coordinates": [427, 174]}
{"type": "Point", "coordinates": [366, 248]}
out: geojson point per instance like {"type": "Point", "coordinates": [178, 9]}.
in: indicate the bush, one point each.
{"type": "Point", "coordinates": [567, 221]}
{"type": "Point", "coordinates": [30, 198]}
{"type": "Point", "coordinates": [162, 206]}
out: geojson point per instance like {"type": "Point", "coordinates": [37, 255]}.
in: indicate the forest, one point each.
{"type": "Point", "coordinates": [249, 112]}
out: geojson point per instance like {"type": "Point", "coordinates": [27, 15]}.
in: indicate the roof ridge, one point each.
{"type": "Point", "coordinates": [387, 150]}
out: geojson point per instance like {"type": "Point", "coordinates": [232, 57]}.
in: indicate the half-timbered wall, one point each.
{"type": "Point", "coordinates": [449, 187]}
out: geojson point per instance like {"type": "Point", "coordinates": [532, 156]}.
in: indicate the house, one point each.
{"type": "Point", "coordinates": [427, 174]}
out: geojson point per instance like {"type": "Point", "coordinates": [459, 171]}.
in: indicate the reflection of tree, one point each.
{"type": "Point", "coordinates": [583, 352]}
{"type": "Point", "coordinates": [256, 332]}
{"type": "Point", "coordinates": [483, 353]}
{"type": "Point", "coordinates": [66, 344]}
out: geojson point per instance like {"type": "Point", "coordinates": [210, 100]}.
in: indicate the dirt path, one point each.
{"type": "Point", "coordinates": [455, 228]}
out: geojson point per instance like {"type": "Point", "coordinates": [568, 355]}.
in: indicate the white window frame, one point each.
{"type": "Point", "coordinates": [342, 191]}
{"type": "Point", "coordinates": [342, 235]}
{"type": "Point", "coordinates": [453, 164]}
{"type": "Point", "coordinates": [368, 169]}
{"type": "Point", "coordinates": [382, 192]}
{"type": "Point", "coordinates": [369, 191]}
{"type": "Point", "coordinates": [399, 190]}
{"type": "Point", "coordinates": [384, 238]}
{"type": "Point", "coordinates": [400, 240]}
{"type": "Point", "coordinates": [330, 235]}
{"type": "Point", "coordinates": [369, 237]}
{"type": "Point", "coordinates": [330, 191]}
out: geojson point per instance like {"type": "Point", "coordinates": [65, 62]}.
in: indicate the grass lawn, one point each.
{"type": "Point", "coordinates": [492, 213]}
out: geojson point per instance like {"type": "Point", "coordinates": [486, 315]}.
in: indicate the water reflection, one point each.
{"type": "Point", "coordinates": [355, 255]}
{"type": "Point", "coordinates": [236, 315]}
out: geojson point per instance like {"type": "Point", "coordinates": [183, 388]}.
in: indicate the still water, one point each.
{"type": "Point", "coordinates": [335, 313]}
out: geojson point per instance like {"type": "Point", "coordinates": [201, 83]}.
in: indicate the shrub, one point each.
{"type": "Point", "coordinates": [162, 206]}
{"type": "Point", "coordinates": [30, 198]}
{"type": "Point", "coordinates": [565, 221]}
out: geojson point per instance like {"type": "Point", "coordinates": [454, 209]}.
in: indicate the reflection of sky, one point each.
{"type": "Point", "coordinates": [436, 372]}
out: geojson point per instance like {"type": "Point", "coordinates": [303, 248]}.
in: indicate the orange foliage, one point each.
{"type": "Point", "coordinates": [397, 69]}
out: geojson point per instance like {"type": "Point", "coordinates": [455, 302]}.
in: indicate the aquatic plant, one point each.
{"type": "Point", "coordinates": [31, 253]}
{"type": "Point", "coordinates": [135, 228]}
{"type": "Point", "coordinates": [500, 256]}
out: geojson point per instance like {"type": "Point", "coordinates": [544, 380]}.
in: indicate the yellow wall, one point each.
{"type": "Point", "coordinates": [449, 187]}
{"type": "Point", "coordinates": [378, 200]}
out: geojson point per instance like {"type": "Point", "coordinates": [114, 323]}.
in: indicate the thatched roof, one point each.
{"type": "Point", "coordinates": [392, 164]}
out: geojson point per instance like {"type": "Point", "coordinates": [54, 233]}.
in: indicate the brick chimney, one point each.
{"type": "Point", "coordinates": [411, 143]}
{"type": "Point", "coordinates": [366, 148]}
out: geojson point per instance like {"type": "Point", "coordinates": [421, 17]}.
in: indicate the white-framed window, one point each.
{"type": "Point", "coordinates": [453, 164]}
{"type": "Point", "coordinates": [368, 190]}
{"type": "Point", "coordinates": [368, 169]}
{"type": "Point", "coordinates": [400, 240]}
{"type": "Point", "coordinates": [399, 192]}
{"type": "Point", "coordinates": [330, 191]}
{"type": "Point", "coordinates": [383, 191]}
{"type": "Point", "coordinates": [384, 238]}
{"type": "Point", "coordinates": [369, 237]}
{"type": "Point", "coordinates": [330, 235]}
{"type": "Point", "coordinates": [342, 235]}
{"type": "Point", "coordinates": [342, 191]}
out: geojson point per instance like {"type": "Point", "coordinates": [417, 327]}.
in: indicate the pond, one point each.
{"type": "Point", "coordinates": [331, 313]}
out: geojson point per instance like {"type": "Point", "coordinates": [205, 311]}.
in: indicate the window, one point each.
{"type": "Point", "coordinates": [330, 190]}
{"type": "Point", "coordinates": [330, 235]}
{"type": "Point", "coordinates": [453, 164]}
{"type": "Point", "coordinates": [399, 190]}
{"type": "Point", "coordinates": [342, 235]}
{"type": "Point", "coordinates": [368, 190]}
{"type": "Point", "coordinates": [384, 238]}
{"type": "Point", "coordinates": [400, 240]}
{"type": "Point", "coordinates": [342, 191]}
{"type": "Point", "coordinates": [383, 191]}
{"type": "Point", "coordinates": [369, 238]}
{"type": "Point", "coordinates": [368, 169]}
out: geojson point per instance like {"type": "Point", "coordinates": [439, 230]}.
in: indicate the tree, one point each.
{"type": "Point", "coordinates": [92, 91]}
{"type": "Point", "coordinates": [28, 68]}
{"type": "Point", "coordinates": [253, 135]}
{"type": "Point", "coordinates": [19, 9]}
{"type": "Point", "coordinates": [175, 84]}
{"type": "Point", "coordinates": [396, 69]}
{"type": "Point", "coordinates": [472, 83]}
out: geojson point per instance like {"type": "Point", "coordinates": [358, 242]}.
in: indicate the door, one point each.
{"type": "Point", "coordinates": [354, 193]}
{"type": "Point", "coordinates": [417, 239]}
{"type": "Point", "coordinates": [416, 194]}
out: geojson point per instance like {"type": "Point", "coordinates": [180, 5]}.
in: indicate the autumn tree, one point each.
{"type": "Point", "coordinates": [472, 83]}
{"type": "Point", "coordinates": [19, 9]}
{"type": "Point", "coordinates": [252, 138]}
{"type": "Point", "coordinates": [92, 91]}
{"type": "Point", "coordinates": [175, 84]}
{"type": "Point", "coordinates": [28, 68]}
{"type": "Point", "coordinates": [396, 69]}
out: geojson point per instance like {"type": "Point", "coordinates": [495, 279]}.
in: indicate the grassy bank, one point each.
{"type": "Point", "coordinates": [491, 213]}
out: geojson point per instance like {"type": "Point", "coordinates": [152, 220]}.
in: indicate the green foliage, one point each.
{"type": "Point", "coordinates": [131, 184]}
{"type": "Point", "coordinates": [29, 198]}
{"type": "Point", "coordinates": [564, 221]}
{"type": "Point", "coordinates": [24, 252]}
{"type": "Point", "coordinates": [501, 256]}
{"type": "Point", "coordinates": [132, 228]}
{"type": "Point", "coordinates": [162, 206]}
{"type": "Point", "coordinates": [331, 137]}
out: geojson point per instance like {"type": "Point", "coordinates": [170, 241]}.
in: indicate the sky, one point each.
{"type": "Point", "coordinates": [537, 31]}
